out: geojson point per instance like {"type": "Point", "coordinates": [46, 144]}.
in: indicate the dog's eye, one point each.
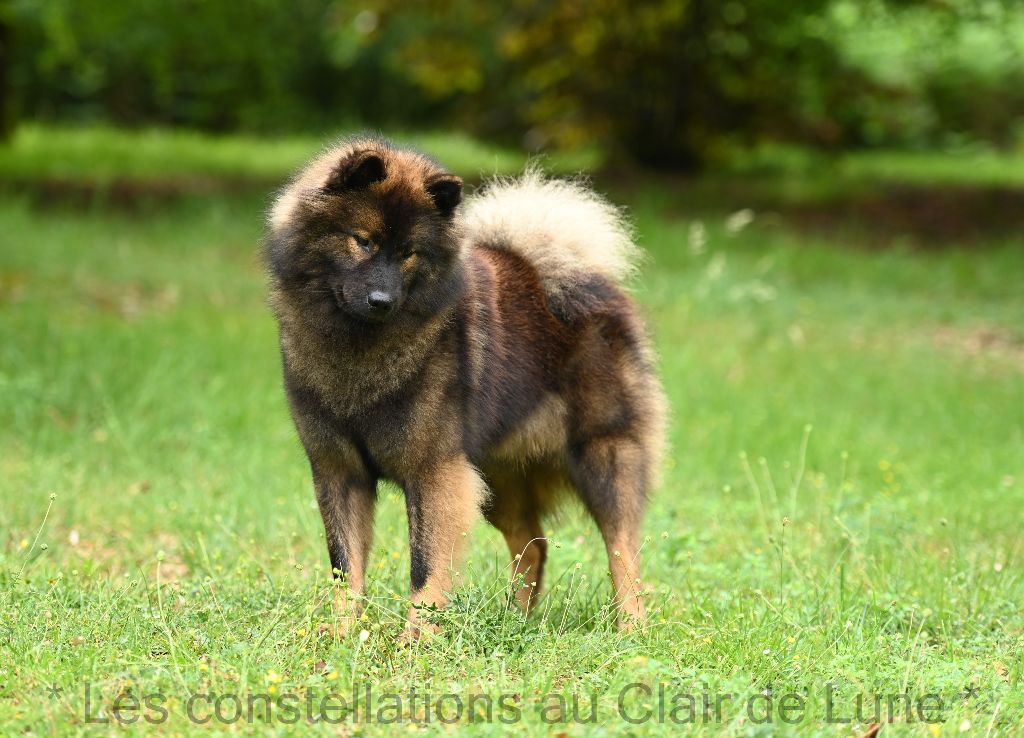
{"type": "Point", "coordinates": [361, 241]}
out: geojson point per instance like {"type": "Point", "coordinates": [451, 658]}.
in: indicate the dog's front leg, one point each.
{"type": "Point", "coordinates": [442, 501]}
{"type": "Point", "coordinates": [346, 497]}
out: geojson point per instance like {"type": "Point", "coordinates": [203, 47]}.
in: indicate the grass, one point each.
{"type": "Point", "coordinates": [842, 504]}
{"type": "Point", "coordinates": [101, 156]}
{"type": "Point", "coordinates": [965, 166]}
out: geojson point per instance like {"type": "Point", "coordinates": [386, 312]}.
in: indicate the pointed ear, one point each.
{"type": "Point", "coordinates": [357, 172]}
{"type": "Point", "coordinates": [446, 192]}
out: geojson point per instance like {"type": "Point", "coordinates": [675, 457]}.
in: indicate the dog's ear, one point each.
{"type": "Point", "coordinates": [446, 192]}
{"type": "Point", "coordinates": [357, 172]}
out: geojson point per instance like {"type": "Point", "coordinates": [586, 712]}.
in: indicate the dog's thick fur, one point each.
{"type": "Point", "coordinates": [483, 356]}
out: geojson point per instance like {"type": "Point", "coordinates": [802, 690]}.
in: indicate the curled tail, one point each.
{"type": "Point", "coordinates": [568, 232]}
{"type": "Point", "coordinates": [582, 248]}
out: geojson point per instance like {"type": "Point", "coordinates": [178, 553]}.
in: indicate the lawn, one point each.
{"type": "Point", "coordinates": [840, 519]}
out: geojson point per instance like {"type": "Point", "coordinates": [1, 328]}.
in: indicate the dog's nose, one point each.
{"type": "Point", "coordinates": [379, 302]}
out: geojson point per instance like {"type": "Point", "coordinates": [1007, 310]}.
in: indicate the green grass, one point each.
{"type": "Point", "coordinates": [787, 176]}
{"type": "Point", "coordinates": [842, 504]}
{"type": "Point", "coordinates": [101, 156]}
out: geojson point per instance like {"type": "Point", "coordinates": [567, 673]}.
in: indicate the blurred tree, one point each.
{"type": "Point", "coordinates": [672, 83]}
{"type": "Point", "coordinates": [668, 83]}
{"type": "Point", "coordinates": [7, 111]}
{"type": "Point", "coordinates": [665, 82]}
{"type": "Point", "coordinates": [207, 63]}
{"type": "Point", "coordinates": [952, 71]}
{"type": "Point", "coordinates": [421, 63]}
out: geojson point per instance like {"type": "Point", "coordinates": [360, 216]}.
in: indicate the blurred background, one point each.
{"type": "Point", "coordinates": [667, 84]}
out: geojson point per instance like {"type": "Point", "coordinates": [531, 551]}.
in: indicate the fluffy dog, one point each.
{"type": "Point", "coordinates": [481, 355]}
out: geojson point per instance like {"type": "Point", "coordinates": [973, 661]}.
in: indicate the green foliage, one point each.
{"type": "Point", "coordinates": [953, 72]}
{"type": "Point", "coordinates": [668, 83]}
{"type": "Point", "coordinates": [213, 64]}
{"type": "Point", "coordinates": [662, 81]}
{"type": "Point", "coordinates": [672, 83]}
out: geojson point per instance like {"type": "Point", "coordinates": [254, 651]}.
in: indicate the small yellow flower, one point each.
{"type": "Point", "coordinates": [301, 632]}
{"type": "Point", "coordinates": [273, 677]}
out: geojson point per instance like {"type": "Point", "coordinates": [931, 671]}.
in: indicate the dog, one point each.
{"type": "Point", "coordinates": [483, 355]}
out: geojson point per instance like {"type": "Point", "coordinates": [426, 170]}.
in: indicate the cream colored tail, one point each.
{"type": "Point", "coordinates": [565, 229]}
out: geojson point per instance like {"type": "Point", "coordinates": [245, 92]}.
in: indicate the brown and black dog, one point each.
{"type": "Point", "coordinates": [483, 356]}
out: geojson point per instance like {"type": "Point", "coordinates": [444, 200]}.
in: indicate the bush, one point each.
{"type": "Point", "coordinates": [668, 83]}
{"type": "Point", "coordinates": [211, 64]}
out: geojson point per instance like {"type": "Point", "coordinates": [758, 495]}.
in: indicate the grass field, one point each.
{"type": "Point", "coordinates": [840, 518]}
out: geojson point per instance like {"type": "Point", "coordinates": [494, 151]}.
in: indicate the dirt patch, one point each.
{"type": "Point", "coordinates": [929, 217]}
{"type": "Point", "coordinates": [865, 213]}
{"type": "Point", "coordinates": [132, 301]}
{"type": "Point", "coordinates": [982, 342]}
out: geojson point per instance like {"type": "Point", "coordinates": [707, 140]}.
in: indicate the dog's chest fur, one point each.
{"type": "Point", "coordinates": [384, 400]}
{"type": "Point", "coordinates": [475, 380]}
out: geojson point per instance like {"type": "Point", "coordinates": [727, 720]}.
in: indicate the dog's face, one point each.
{"type": "Point", "coordinates": [374, 243]}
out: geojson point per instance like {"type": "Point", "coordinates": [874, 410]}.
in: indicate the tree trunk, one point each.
{"type": "Point", "coordinates": [6, 91]}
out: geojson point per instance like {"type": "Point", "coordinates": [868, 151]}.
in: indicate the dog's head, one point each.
{"type": "Point", "coordinates": [367, 233]}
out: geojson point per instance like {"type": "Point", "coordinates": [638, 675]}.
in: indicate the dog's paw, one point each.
{"type": "Point", "coordinates": [338, 629]}
{"type": "Point", "coordinates": [630, 623]}
{"type": "Point", "coordinates": [416, 632]}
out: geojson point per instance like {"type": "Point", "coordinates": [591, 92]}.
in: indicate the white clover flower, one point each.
{"type": "Point", "coordinates": [739, 220]}
{"type": "Point", "coordinates": [698, 238]}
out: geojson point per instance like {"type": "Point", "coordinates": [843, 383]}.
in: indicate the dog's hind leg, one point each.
{"type": "Point", "coordinates": [610, 475]}
{"type": "Point", "coordinates": [513, 510]}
